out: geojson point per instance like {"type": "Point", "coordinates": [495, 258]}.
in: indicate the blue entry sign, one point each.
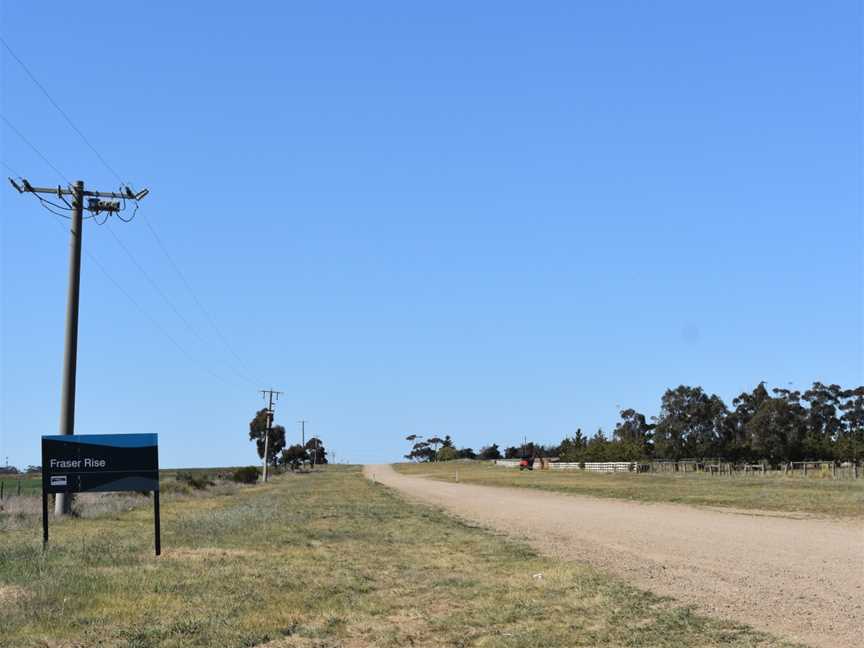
{"type": "Point", "coordinates": [81, 463]}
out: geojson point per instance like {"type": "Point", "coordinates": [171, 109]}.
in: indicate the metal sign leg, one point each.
{"type": "Point", "coordinates": [157, 529]}
{"type": "Point", "coordinates": [44, 520]}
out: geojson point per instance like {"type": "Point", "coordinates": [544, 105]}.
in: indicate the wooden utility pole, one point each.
{"type": "Point", "coordinates": [95, 205]}
{"type": "Point", "coordinates": [269, 412]}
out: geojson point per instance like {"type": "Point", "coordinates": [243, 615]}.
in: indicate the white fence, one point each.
{"type": "Point", "coordinates": [604, 467]}
{"type": "Point", "coordinates": [507, 463]}
{"type": "Point", "coordinates": [610, 466]}
{"type": "Point", "coordinates": [564, 465]}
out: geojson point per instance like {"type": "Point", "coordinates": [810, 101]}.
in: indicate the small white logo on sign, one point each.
{"type": "Point", "coordinates": [58, 480]}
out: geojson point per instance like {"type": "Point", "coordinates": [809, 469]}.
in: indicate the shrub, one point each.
{"type": "Point", "coordinates": [447, 454]}
{"type": "Point", "coordinates": [176, 487]}
{"type": "Point", "coordinates": [247, 475]}
{"type": "Point", "coordinates": [198, 483]}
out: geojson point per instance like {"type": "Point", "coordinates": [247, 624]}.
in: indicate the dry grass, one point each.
{"type": "Point", "coordinates": [840, 498]}
{"type": "Point", "coordinates": [316, 560]}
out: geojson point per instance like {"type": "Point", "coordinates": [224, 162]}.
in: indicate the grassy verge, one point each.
{"type": "Point", "coordinates": [318, 560]}
{"type": "Point", "coordinates": [841, 498]}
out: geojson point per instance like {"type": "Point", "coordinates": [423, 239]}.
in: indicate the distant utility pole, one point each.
{"type": "Point", "coordinates": [95, 205]}
{"type": "Point", "coordinates": [303, 439]}
{"type": "Point", "coordinates": [265, 393]}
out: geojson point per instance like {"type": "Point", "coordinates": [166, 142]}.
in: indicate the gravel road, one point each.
{"type": "Point", "coordinates": [800, 579]}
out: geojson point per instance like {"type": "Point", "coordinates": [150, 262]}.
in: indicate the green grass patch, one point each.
{"type": "Point", "coordinates": [25, 484]}
{"type": "Point", "coordinates": [840, 498]}
{"type": "Point", "coordinates": [321, 559]}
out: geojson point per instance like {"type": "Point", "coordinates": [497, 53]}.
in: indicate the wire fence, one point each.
{"type": "Point", "coordinates": [23, 486]}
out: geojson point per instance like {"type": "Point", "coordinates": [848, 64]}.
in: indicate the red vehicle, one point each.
{"type": "Point", "coordinates": [526, 463]}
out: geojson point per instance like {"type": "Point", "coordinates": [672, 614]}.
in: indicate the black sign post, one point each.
{"type": "Point", "coordinates": [87, 463]}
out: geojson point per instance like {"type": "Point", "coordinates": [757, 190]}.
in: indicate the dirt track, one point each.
{"type": "Point", "coordinates": [800, 579]}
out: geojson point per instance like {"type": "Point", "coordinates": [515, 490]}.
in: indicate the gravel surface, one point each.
{"type": "Point", "coordinates": [800, 579]}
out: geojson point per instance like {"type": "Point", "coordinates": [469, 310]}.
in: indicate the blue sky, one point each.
{"type": "Point", "coordinates": [479, 219]}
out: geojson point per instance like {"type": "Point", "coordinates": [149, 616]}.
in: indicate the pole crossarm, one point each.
{"type": "Point", "coordinates": [127, 194]}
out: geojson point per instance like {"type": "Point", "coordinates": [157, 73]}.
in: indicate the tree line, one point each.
{"type": "Point", "coordinates": [825, 422]}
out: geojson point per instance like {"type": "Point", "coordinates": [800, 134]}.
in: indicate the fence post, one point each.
{"type": "Point", "coordinates": [2, 483]}
{"type": "Point", "coordinates": [19, 488]}
{"type": "Point", "coordinates": [805, 468]}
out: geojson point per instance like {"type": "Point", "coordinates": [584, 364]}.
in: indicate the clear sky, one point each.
{"type": "Point", "coordinates": [482, 219]}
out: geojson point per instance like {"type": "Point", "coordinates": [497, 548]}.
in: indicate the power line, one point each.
{"type": "Point", "coordinates": [27, 188]}
{"type": "Point", "coordinates": [116, 238]}
{"type": "Point", "coordinates": [152, 282]}
{"type": "Point", "coordinates": [60, 110]}
{"type": "Point", "coordinates": [10, 169]}
{"type": "Point", "coordinates": [153, 321]}
{"type": "Point", "coordinates": [201, 306]}
{"type": "Point", "coordinates": [32, 146]}
{"type": "Point", "coordinates": [165, 298]}
{"type": "Point", "coordinates": [175, 266]}
{"type": "Point", "coordinates": [46, 204]}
